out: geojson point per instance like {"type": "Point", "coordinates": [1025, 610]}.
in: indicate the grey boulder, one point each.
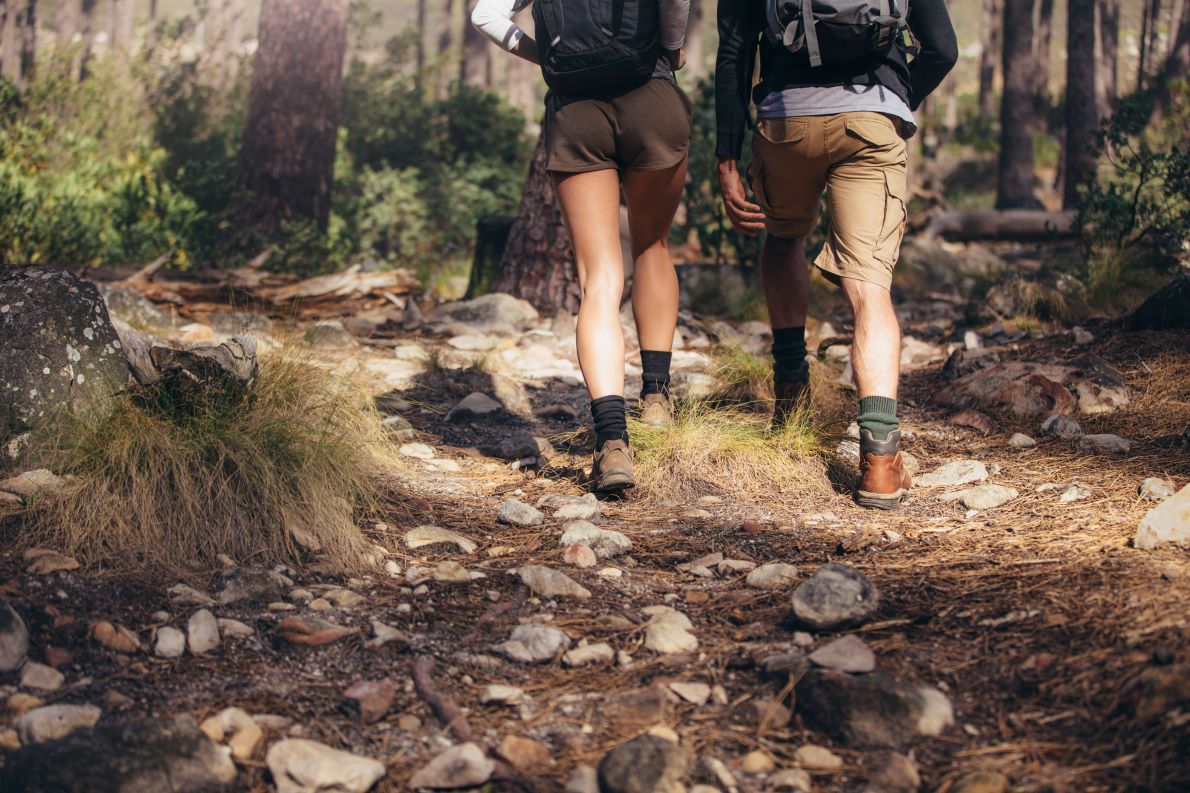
{"type": "Point", "coordinates": [836, 596]}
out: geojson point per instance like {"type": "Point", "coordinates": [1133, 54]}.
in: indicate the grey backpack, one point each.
{"type": "Point", "coordinates": [839, 31]}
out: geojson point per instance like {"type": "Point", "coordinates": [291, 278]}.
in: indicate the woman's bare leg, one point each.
{"type": "Point", "coordinates": [652, 198]}
{"type": "Point", "coordinates": [591, 205]}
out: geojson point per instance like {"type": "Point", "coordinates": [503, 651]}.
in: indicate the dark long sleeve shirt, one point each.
{"type": "Point", "coordinates": [741, 27]}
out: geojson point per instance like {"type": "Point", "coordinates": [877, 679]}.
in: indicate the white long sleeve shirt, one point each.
{"type": "Point", "coordinates": [494, 20]}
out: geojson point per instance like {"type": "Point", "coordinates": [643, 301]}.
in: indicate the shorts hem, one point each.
{"type": "Point", "coordinates": [570, 170]}
{"type": "Point", "coordinates": [663, 166]}
{"type": "Point", "coordinates": [829, 267]}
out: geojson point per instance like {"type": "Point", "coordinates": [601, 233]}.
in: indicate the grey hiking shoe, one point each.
{"type": "Point", "coordinates": [612, 468]}
{"type": "Point", "coordinates": [657, 410]}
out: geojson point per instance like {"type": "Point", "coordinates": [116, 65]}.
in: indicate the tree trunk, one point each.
{"type": "Point", "coordinates": [991, 35]}
{"type": "Point", "coordinates": [287, 157]}
{"type": "Point", "coordinates": [66, 21]}
{"type": "Point", "coordinates": [1041, 55]}
{"type": "Point", "coordinates": [1082, 120]}
{"type": "Point", "coordinates": [538, 260]}
{"type": "Point", "coordinates": [87, 12]}
{"type": "Point", "coordinates": [121, 25]}
{"type": "Point", "coordinates": [1176, 66]}
{"type": "Point", "coordinates": [475, 69]}
{"type": "Point", "coordinates": [1014, 188]}
{"type": "Point", "coordinates": [18, 40]}
{"type": "Point", "coordinates": [422, 20]}
{"type": "Point", "coordinates": [1143, 45]}
{"type": "Point", "coordinates": [224, 31]}
{"type": "Point", "coordinates": [696, 63]}
{"type": "Point", "coordinates": [1107, 49]}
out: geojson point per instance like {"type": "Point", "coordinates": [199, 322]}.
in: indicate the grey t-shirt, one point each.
{"type": "Point", "coordinates": [827, 100]}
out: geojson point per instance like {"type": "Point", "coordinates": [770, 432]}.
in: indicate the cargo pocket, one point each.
{"type": "Point", "coordinates": [896, 192]}
{"type": "Point", "coordinates": [872, 130]}
{"type": "Point", "coordinates": [782, 130]}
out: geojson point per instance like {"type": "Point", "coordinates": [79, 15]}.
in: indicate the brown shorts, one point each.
{"type": "Point", "coordinates": [646, 129]}
{"type": "Point", "coordinates": [859, 158]}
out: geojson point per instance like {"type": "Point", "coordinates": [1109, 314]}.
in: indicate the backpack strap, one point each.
{"type": "Point", "coordinates": [809, 25]}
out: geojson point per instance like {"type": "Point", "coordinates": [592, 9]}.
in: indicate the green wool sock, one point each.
{"type": "Point", "coordinates": [878, 415]}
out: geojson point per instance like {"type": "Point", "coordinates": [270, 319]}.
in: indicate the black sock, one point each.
{"type": "Point", "coordinates": [789, 355]}
{"type": "Point", "coordinates": [611, 420]}
{"type": "Point", "coordinates": [655, 378]}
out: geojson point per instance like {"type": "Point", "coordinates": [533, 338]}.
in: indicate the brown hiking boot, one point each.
{"type": "Point", "coordinates": [788, 397]}
{"type": "Point", "coordinates": [883, 480]}
{"type": "Point", "coordinates": [656, 410]}
{"type": "Point", "coordinates": [612, 468]}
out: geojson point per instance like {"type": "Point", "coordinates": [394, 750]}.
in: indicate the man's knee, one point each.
{"type": "Point", "coordinates": [864, 294]}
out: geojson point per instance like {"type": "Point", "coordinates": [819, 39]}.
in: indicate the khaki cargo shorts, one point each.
{"type": "Point", "coordinates": [859, 159]}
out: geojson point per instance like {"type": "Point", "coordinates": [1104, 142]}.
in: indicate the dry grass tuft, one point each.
{"type": "Point", "coordinates": [728, 452]}
{"type": "Point", "coordinates": [158, 486]}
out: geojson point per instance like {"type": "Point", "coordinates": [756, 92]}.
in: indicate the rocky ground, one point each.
{"type": "Point", "coordinates": [1020, 624]}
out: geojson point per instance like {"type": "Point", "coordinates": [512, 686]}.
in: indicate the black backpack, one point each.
{"type": "Point", "coordinates": [599, 47]}
{"type": "Point", "coordinates": [839, 31]}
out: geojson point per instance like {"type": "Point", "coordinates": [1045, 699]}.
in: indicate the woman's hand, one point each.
{"type": "Point", "coordinates": [676, 58]}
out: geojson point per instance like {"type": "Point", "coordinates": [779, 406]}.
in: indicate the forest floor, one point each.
{"type": "Point", "coordinates": [1048, 632]}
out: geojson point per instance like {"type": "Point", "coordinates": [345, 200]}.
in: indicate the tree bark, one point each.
{"type": "Point", "coordinates": [18, 40]}
{"type": "Point", "coordinates": [87, 12]}
{"type": "Point", "coordinates": [1014, 188]}
{"type": "Point", "coordinates": [121, 23]}
{"type": "Point", "coordinates": [1041, 55]}
{"type": "Point", "coordinates": [66, 21]}
{"type": "Point", "coordinates": [287, 156]}
{"type": "Point", "coordinates": [475, 68]}
{"type": "Point", "coordinates": [1082, 120]}
{"type": "Point", "coordinates": [1107, 53]}
{"type": "Point", "coordinates": [1176, 66]}
{"type": "Point", "coordinates": [538, 262]}
{"type": "Point", "coordinates": [224, 31]}
{"type": "Point", "coordinates": [991, 35]}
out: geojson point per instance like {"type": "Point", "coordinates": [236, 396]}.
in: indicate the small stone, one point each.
{"type": "Point", "coordinates": [817, 758]}
{"type": "Point", "coordinates": [52, 562]}
{"type": "Point", "coordinates": [252, 585]}
{"type": "Point", "coordinates": [872, 710]}
{"type": "Point", "coordinates": [530, 643]}
{"type": "Point", "coordinates": [694, 693]}
{"type": "Point", "coordinates": [981, 782]}
{"type": "Point", "coordinates": [757, 762]}
{"type": "Point", "coordinates": [52, 722]}
{"type": "Point", "coordinates": [234, 629]}
{"type": "Point", "coordinates": [987, 496]}
{"type": "Point", "coordinates": [418, 451]}
{"type": "Point", "coordinates": [774, 575]}
{"type": "Point", "coordinates": [311, 631]}
{"type": "Point", "coordinates": [182, 595]}
{"type": "Point", "coordinates": [1082, 336]}
{"type": "Point", "coordinates": [114, 700]}
{"type": "Point", "coordinates": [580, 556]}
{"type": "Point", "coordinates": [604, 542]}
{"type": "Point", "coordinates": [171, 642]}
{"type": "Point", "coordinates": [451, 573]}
{"type": "Point", "coordinates": [302, 766]}
{"type": "Point", "coordinates": [584, 508]}
{"type": "Point", "coordinates": [1020, 440]}
{"type": "Point", "coordinates": [241, 731]}
{"type": "Point", "coordinates": [202, 632]}
{"type": "Point", "coordinates": [373, 698]}
{"type": "Point", "coordinates": [14, 639]}
{"type": "Point", "coordinates": [647, 764]}
{"type": "Point", "coordinates": [502, 695]}
{"type": "Point", "coordinates": [846, 654]}
{"type": "Point", "coordinates": [524, 754]}
{"type": "Point", "coordinates": [794, 779]}
{"type": "Point", "coordinates": [409, 722]}
{"type": "Point", "coordinates": [1062, 427]}
{"type": "Point", "coordinates": [1168, 522]}
{"type": "Point", "coordinates": [319, 604]}
{"type": "Point", "coordinates": [473, 406]}
{"type": "Point", "coordinates": [669, 631]}
{"type": "Point", "coordinates": [1155, 489]}
{"type": "Point", "coordinates": [547, 582]}
{"type": "Point", "coordinates": [21, 702]}
{"type": "Point", "coordinates": [1074, 492]}
{"type": "Point", "coordinates": [461, 766]}
{"type": "Point", "coordinates": [1104, 444]}
{"type": "Point", "coordinates": [41, 677]}
{"type": "Point", "coordinates": [518, 513]}
{"type": "Point", "coordinates": [10, 741]}
{"type": "Point", "coordinates": [610, 572]}
{"type": "Point", "coordinates": [583, 780]}
{"type": "Point", "coordinates": [599, 653]}
{"type": "Point", "coordinates": [836, 596]}
{"type": "Point", "coordinates": [973, 419]}
{"type": "Point", "coordinates": [32, 484]}
{"type": "Point", "coordinates": [115, 637]}
{"type": "Point", "coordinates": [959, 472]}
{"type": "Point", "coordinates": [898, 774]}
{"type": "Point", "coordinates": [432, 535]}
{"type": "Point", "coordinates": [383, 634]}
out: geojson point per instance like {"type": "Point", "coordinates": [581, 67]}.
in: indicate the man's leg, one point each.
{"type": "Point", "coordinates": [875, 355]}
{"type": "Point", "coordinates": [785, 279]}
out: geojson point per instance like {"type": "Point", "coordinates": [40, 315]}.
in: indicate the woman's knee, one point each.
{"type": "Point", "coordinates": [604, 282]}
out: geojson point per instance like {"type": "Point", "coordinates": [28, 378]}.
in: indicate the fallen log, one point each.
{"type": "Point", "coordinates": [1009, 225]}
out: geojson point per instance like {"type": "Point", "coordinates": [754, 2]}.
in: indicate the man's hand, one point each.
{"type": "Point", "coordinates": [746, 217]}
{"type": "Point", "coordinates": [676, 58]}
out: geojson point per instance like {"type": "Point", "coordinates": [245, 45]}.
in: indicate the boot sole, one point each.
{"type": "Point", "coordinates": [880, 500]}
